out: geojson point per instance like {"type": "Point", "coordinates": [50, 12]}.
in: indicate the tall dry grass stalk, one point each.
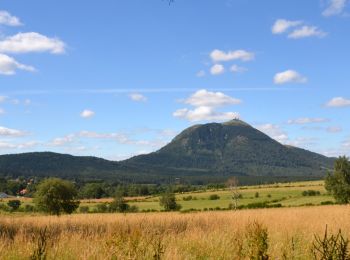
{"type": "Point", "coordinates": [205, 235]}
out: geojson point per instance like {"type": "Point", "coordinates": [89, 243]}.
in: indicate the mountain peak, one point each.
{"type": "Point", "coordinates": [236, 122]}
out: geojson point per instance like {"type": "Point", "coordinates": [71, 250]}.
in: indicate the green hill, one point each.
{"type": "Point", "coordinates": [235, 148]}
{"type": "Point", "coordinates": [200, 154]}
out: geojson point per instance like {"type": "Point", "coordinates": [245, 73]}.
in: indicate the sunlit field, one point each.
{"type": "Point", "coordinates": [204, 235]}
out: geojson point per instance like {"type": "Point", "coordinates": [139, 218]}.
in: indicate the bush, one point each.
{"type": "Point", "coordinates": [4, 207]}
{"type": "Point", "coordinates": [327, 202]}
{"type": "Point", "coordinates": [119, 204]}
{"type": "Point", "coordinates": [331, 247]}
{"type": "Point", "coordinates": [311, 193]}
{"type": "Point", "coordinates": [214, 197]}
{"type": "Point", "coordinates": [187, 198]}
{"type": "Point", "coordinates": [84, 209]}
{"type": "Point", "coordinates": [256, 195]}
{"type": "Point", "coordinates": [29, 208]}
{"type": "Point", "coordinates": [14, 204]}
{"type": "Point", "coordinates": [101, 208]}
{"type": "Point", "coordinates": [257, 241]}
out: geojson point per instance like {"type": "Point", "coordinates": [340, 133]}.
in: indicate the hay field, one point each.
{"type": "Point", "coordinates": [204, 235]}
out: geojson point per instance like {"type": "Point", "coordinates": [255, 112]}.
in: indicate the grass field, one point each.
{"type": "Point", "coordinates": [286, 194]}
{"type": "Point", "coordinates": [202, 235]}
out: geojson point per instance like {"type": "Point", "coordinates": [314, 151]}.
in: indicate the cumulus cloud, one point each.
{"type": "Point", "coordinates": [204, 97]}
{"type": "Point", "coordinates": [87, 113]}
{"type": "Point", "coordinates": [335, 7]}
{"type": "Point", "coordinates": [282, 25]}
{"type": "Point", "coordinates": [217, 69]}
{"type": "Point", "coordinates": [204, 113]}
{"type": "Point", "coordinates": [31, 42]}
{"type": "Point", "coordinates": [274, 131]}
{"type": "Point", "coordinates": [289, 76]}
{"type": "Point", "coordinates": [338, 102]}
{"type": "Point", "coordinates": [307, 31]}
{"type": "Point", "coordinates": [220, 56]}
{"type": "Point", "coordinates": [205, 104]}
{"type": "Point", "coordinates": [8, 132]}
{"type": "Point", "coordinates": [7, 19]}
{"type": "Point", "coordinates": [137, 97]}
{"type": "Point", "coordinates": [306, 120]}
{"type": "Point", "coordinates": [9, 65]}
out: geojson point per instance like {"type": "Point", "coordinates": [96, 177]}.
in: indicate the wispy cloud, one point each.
{"type": "Point", "coordinates": [335, 7]}
{"type": "Point", "coordinates": [9, 65]}
{"type": "Point", "coordinates": [307, 31]}
{"type": "Point", "coordinates": [282, 25]}
{"type": "Point", "coordinates": [137, 97]}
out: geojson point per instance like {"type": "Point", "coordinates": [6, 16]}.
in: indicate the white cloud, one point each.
{"type": "Point", "coordinates": [282, 25]}
{"type": "Point", "coordinates": [200, 73]}
{"type": "Point", "coordinates": [274, 131]}
{"type": "Point", "coordinates": [289, 76]}
{"type": "Point", "coordinates": [87, 113]}
{"type": "Point", "coordinates": [237, 69]}
{"type": "Point", "coordinates": [60, 141]}
{"type": "Point", "coordinates": [7, 19]}
{"type": "Point", "coordinates": [307, 31]}
{"type": "Point", "coordinates": [9, 65]}
{"type": "Point", "coordinates": [307, 120]}
{"type": "Point", "coordinates": [31, 42]}
{"type": "Point", "coordinates": [218, 55]}
{"type": "Point", "coordinates": [335, 7]}
{"type": "Point", "coordinates": [204, 97]}
{"type": "Point", "coordinates": [8, 145]}
{"type": "Point", "coordinates": [2, 111]}
{"type": "Point", "coordinates": [217, 69]}
{"type": "Point", "coordinates": [8, 132]}
{"type": "Point", "coordinates": [205, 103]}
{"type": "Point", "coordinates": [338, 102]}
{"type": "Point", "coordinates": [302, 142]}
{"type": "Point", "coordinates": [202, 113]}
{"type": "Point", "coordinates": [137, 97]}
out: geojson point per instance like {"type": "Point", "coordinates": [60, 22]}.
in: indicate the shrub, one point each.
{"type": "Point", "coordinates": [269, 195]}
{"type": "Point", "coordinates": [310, 193]}
{"type": "Point", "coordinates": [84, 209]}
{"type": "Point", "coordinates": [332, 247]}
{"type": "Point", "coordinates": [328, 202]}
{"type": "Point", "coordinates": [187, 198]}
{"type": "Point", "coordinates": [214, 197]}
{"type": "Point", "coordinates": [257, 241]}
{"type": "Point", "coordinates": [29, 208]}
{"type": "Point", "coordinates": [101, 208]}
{"type": "Point", "coordinates": [14, 204]}
{"type": "Point", "coordinates": [119, 204]}
{"type": "Point", "coordinates": [256, 195]}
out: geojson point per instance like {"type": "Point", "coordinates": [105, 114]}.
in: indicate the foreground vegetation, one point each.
{"type": "Point", "coordinates": [275, 233]}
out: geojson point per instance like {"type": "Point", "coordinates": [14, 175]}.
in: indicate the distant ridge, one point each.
{"type": "Point", "coordinates": [200, 154]}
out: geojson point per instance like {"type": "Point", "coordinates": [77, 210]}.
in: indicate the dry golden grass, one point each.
{"type": "Point", "coordinates": [205, 235]}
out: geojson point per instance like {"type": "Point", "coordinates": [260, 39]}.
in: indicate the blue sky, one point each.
{"type": "Point", "coordinates": [119, 78]}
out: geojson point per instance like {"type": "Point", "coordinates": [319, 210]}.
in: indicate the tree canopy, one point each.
{"type": "Point", "coordinates": [56, 196]}
{"type": "Point", "coordinates": [338, 182]}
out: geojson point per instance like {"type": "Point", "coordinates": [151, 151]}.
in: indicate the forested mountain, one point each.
{"type": "Point", "coordinates": [200, 154]}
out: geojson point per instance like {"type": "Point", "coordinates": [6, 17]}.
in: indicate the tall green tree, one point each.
{"type": "Point", "coordinates": [56, 196]}
{"type": "Point", "coordinates": [338, 182]}
{"type": "Point", "coordinates": [168, 201]}
{"type": "Point", "coordinates": [119, 204]}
